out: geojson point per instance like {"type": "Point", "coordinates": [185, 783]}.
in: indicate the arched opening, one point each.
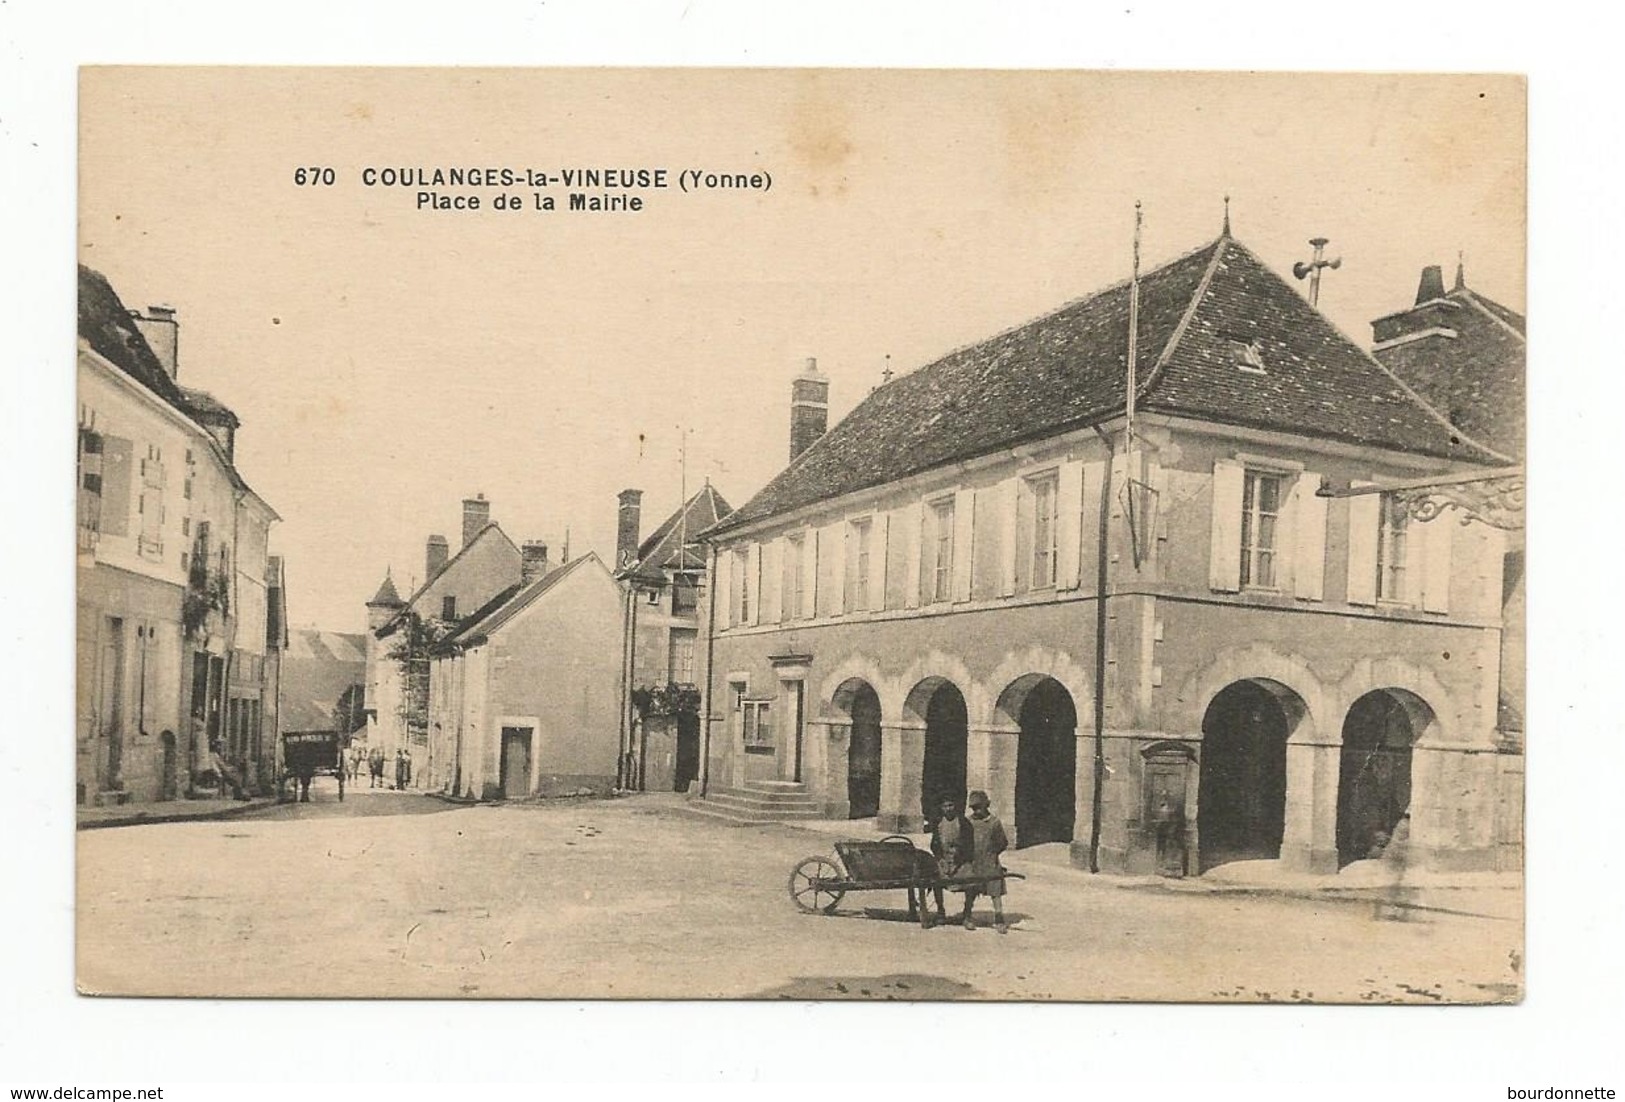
{"type": "Point", "coordinates": [942, 773]}
{"type": "Point", "coordinates": [1046, 761]}
{"type": "Point", "coordinates": [1241, 791]}
{"type": "Point", "coordinates": [858, 700]}
{"type": "Point", "coordinates": [1374, 778]}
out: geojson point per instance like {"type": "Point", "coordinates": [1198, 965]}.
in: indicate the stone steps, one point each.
{"type": "Point", "coordinates": [759, 802]}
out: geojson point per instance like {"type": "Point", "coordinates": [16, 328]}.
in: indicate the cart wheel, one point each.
{"type": "Point", "coordinates": [898, 838]}
{"type": "Point", "coordinates": [810, 885]}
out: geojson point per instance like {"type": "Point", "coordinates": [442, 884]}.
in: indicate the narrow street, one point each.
{"type": "Point", "coordinates": [393, 894]}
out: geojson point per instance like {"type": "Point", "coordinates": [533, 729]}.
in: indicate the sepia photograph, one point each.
{"type": "Point", "coordinates": [800, 535]}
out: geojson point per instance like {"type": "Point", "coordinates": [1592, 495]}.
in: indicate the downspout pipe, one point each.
{"type": "Point", "coordinates": [1101, 558]}
{"type": "Point", "coordinates": [710, 662]}
{"type": "Point", "coordinates": [631, 680]}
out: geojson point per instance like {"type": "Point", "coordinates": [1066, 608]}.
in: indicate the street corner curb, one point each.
{"type": "Point", "coordinates": [144, 818]}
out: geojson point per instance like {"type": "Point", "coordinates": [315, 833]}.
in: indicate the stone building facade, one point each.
{"type": "Point", "coordinates": [176, 644]}
{"type": "Point", "coordinates": [1162, 646]}
{"type": "Point", "coordinates": [662, 577]}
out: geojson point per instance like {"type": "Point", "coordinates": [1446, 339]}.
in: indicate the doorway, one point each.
{"type": "Point", "coordinates": [942, 774]}
{"type": "Point", "coordinates": [1241, 793]}
{"type": "Point", "coordinates": [1046, 766]}
{"type": "Point", "coordinates": [110, 703]}
{"type": "Point", "coordinates": [863, 754]}
{"type": "Point", "coordinates": [1374, 775]}
{"type": "Point", "coordinates": [515, 763]}
{"type": "Point", "coordinates": [688, 751]}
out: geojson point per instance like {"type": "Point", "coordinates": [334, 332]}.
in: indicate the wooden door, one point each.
{"type": "Point", "coordinates": [110, 702]}
{"type": "Point", "coordinates": [515, 763]}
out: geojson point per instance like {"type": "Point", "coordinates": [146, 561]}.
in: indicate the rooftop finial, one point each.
{"type": "Point", "coordinates": [1226, 232]}
{"type": "Point", "coordinates": [1461, 271]}
{"type": "Point", "coordinates": [885, 376]}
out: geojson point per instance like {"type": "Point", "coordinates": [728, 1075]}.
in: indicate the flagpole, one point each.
{"type": "Point", "coordinates": [1133, 332]}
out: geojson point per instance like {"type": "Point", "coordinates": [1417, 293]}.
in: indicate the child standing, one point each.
{"type": "Point", "coordinates": [988, 842]}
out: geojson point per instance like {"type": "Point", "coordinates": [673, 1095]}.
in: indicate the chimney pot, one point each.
{"type": "Point", "coordinates": [476, 515]}
{"type": "Point", "coordinates": [1432, 285]}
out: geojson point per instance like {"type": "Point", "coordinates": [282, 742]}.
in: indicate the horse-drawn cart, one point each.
{"type": "Point", "coordinates": [307, 753]}
{"type": "Point", "coordinates": [817, 884]}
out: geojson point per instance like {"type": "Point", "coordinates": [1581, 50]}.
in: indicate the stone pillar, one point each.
{"type": "Point", "coordinates": [1309, 843]}
{"type": "Point", "coordinates": [834, 739]}
{"type": "Point", "coordinates": [1453, 793]}
{"type": "Point", "coordinates": [990, 764]}
{"type": "Point", "coordinates": [902, 758]}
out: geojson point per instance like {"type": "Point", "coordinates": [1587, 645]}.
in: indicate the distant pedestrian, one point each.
{"type": "Point", "coordinates": [988, 842]}
{"type": "Point", "coordinates": [400, 770]}
{"type": "Point", "coordinates": [406, 769]}
{"type": "Point", "coordinates": [375, 767]}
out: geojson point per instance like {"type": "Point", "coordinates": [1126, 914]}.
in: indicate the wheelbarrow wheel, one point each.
{"type": "Point", "coordinates": [810, 885]}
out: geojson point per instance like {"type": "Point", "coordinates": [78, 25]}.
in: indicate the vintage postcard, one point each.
{"type": "Point", "coordinates": [800, 534]}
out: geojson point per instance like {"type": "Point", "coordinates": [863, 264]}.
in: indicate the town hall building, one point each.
{"type": "Point", "coordinates": [1136, 617]}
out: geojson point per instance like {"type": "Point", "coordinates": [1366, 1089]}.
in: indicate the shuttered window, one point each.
{"type": "Point", "coordinates": [1042, 491]}
{"type": "Point", "coordinates": [1260, 515]}
{"type": "Point", "coordinates": [1393, 552]}
{"type": "Point", "coordinates": [939, 551]}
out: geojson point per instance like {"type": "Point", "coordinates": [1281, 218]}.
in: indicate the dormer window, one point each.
{"type": "Point", "coordinates": [1248, 356]}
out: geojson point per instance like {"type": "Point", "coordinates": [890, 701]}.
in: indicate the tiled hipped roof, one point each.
{"type": "Point", "coordinates": [664, 549]}
{"type": "Point", "coordinates": [105, 324]}
{"type": "Point", "coordinates": [1199, 315]}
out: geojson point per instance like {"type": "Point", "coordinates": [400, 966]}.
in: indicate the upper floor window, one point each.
{"type": "Point", "coordinates": [940, 550]}
{"type": "Point", "coordinates": [90, 487]}
{"type": "Point", "coordinates": [680, 667]}
{"type": "Point", "coordinates": [742, 590]}
{"type": "Point", "coordinates": [1260, 515]}
{"type": "Point", "coordinates": [1392, 537]}
{"type": "Point", "coordinates": [1043, 531]}
{"type": "Point", "coordinates": [685, 594]}
{"type": "Point", "coordinates": [858, 543]}
{"type": "Point", "coordinates": [150, 505]}
{"type": "Point", "coordinates": [448, 607]}
{"type": "Point", "coordinates": [794, 596]}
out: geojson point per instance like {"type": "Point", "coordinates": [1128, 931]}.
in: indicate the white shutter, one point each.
{"type": "Point", "coordinates": [722, 586]}
{"type": "Point", "coordinates": [1435, 556]}
{"type": "Point", "coordinates": [1088, 522]}
{"type": "Point", "coordinates": [1068, 519]}
{"type": "Point", "coordinates": [1309, 549]}
{"type": "Point", "coordinates": [1224, 553]}
{"type": "Point", "coordinates": [753, 567]}
{"type": "Point", "coordinates": [809, 573]}
{"type": "Point", "coordinates": [772, 579]}
{"type": "Point", "coordinates": [1009, 530]}
{"type": "Point", "coordinates": [964, 560]}
{"type": "Point", "coordinates": [1286, 535]}
{"type": "Point", "coordinates": [879, 530]}
{"type": "Point", "coordinates": [911, 530]}
{"type": "Point", "coordinates": [835, 549]}
{"type": "Point", "coordinates": [1365, 520]}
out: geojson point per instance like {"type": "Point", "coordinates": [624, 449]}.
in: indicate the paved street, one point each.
{"type": "Point", "coordinates": [403, 894]}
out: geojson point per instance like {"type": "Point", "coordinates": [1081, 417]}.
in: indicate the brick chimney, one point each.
{"type": "Point", "coordinates": [532, 561]}
{"type": "Point", "coordinates": [476, 515]}
{"type": "Point", "coordinates": [809, 408]}
{"type": "Point", "coordinates": [1432, 320]}
{"type": "Point", "coordinates": [435, 554]}
{"type": "Point", "coordinates": [162, 332]}
{"type": "Point", "coordinates": [628, 524]}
